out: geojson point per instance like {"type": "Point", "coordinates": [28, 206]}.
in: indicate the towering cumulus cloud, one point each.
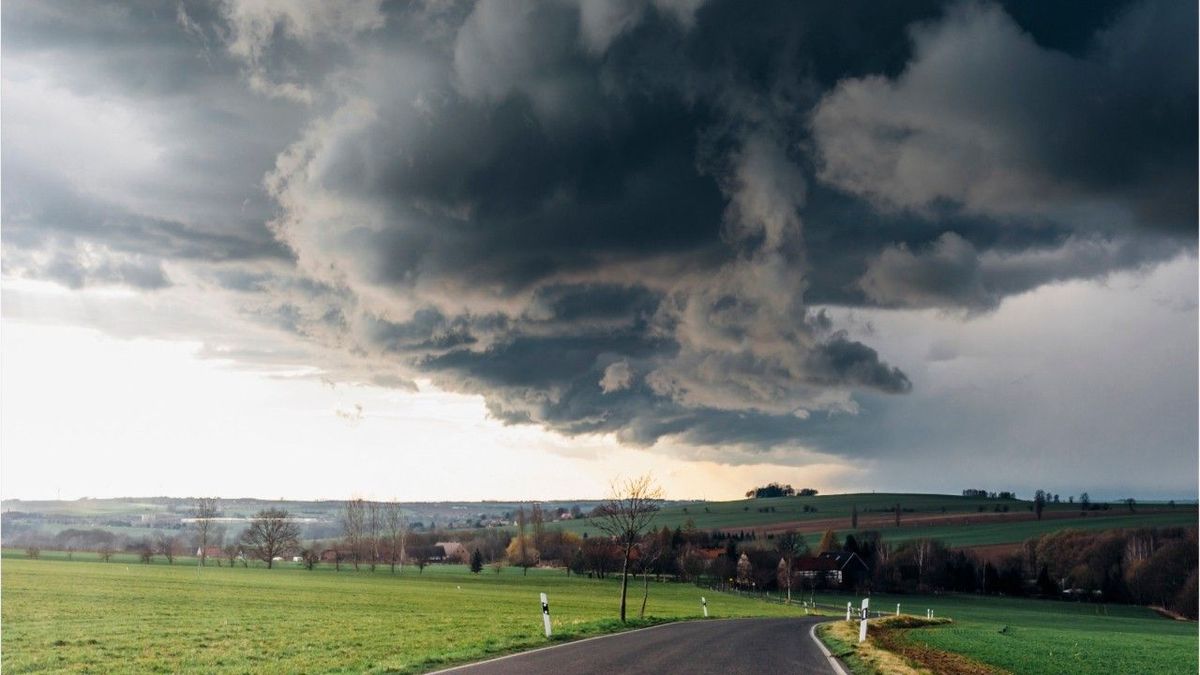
{"type": "Point", "coordinates": [637, 218]}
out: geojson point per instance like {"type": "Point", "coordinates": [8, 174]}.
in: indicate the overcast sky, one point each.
{"type": "Point", "coordinates": [458, 250]}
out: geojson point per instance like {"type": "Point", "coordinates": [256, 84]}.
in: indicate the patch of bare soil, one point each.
{"type": "Point", "coordinates": [994, 552]}
{"type": "Point", "coordinates": [1163, 611]}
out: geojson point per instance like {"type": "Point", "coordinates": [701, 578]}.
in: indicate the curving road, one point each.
{"type": "Point", "coordinates": [720, 647]}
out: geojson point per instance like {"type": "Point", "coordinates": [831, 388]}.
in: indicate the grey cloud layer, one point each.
{"type": "Point", "coordinates": [612, 216]}
{"type": "Point", "coordinates": [985, 118]}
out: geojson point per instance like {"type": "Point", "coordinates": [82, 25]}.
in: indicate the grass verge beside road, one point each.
{"type": "Point", "coordinates": [886, 652]}
{"type": "Point", "coordinates": [1041, 636]}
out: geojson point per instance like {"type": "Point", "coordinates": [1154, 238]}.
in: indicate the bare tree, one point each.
{"type": "Point", "coordinates": [519, 551]}
{"type": "Point", "coordinates": [922, 553]}
{"type": "Point", "coordinates": [311, 556]}
{"type": "Point", "coordinates": [206, 510]}
{"type": "Point", "coordinates": [352, 527]}
{"type": "Point", "coordinates": [538, 519]}
{"type": "Point", "coordinates": [790, 544]}
{"type": "Point", "coordinates": [374, 522]}
{"type": "Point", "coordinates": [231, 553]}
{"type": "Point", "coordinates": [626, 516]}
{"type": "Point", "coordinates": [395, 526]}
{"type": "Point", "coordinates": [145, 550]}
{"type": "Point", "coordinates": [271, 532]}
{"type": "Point", "coordinates": [166, 546]}
{"type": "Point", "coordinates": [650, 550]}
{"type": "Point", "coordinates": [105, 552]}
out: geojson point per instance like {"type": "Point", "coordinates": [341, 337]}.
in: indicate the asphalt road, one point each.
{"type": "Point", "coordinates": [725, 647]}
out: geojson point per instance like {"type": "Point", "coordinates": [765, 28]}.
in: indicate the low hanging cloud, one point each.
{"type": "Point", "coordinates": [952, 273]}
{"type": "Point", "coordinates": [604, 216]}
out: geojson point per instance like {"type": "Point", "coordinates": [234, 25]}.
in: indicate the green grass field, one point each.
{"type": "Point", "coordinates": [1040, 636]}
{"type": "Point", "coordinates": [985, 534]}
{"type": "Point", "coordinates": [127, 617]}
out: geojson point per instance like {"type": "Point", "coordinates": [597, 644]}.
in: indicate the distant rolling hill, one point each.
{"type": "Point", "coordinates": [956, 520]}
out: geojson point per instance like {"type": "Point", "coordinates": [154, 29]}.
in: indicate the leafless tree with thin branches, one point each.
{"type": "Point", "coordinates": [166, 546]}
{"type": "Point", "coordinates": [790, 545]}
{"type": "Point", "coordinates": [206, 509]}
{"type": "Point", "coordinates": [626, 516]}
{"type": "Point", "coordinates": [650, 551]}
{"type": "Point", "coordinates": [353, 516]}
{"type": "Point", "coordinates": [538, 519]}
{"type": "Point", "coordinates": [395, 526]}
{"type": "Point", "coordinates": [374, 522]}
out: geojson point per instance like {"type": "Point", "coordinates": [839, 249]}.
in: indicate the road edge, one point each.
{"type": "Point", "coordinates": [833, 660]}
{"type": "Point", "coordinates": [567, 643]}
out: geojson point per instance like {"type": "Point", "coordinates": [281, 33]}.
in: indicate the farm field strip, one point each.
{"type": "Point", "coordinates": [920, 512]}
{"type": "Point", "coordinates": [980, 531]}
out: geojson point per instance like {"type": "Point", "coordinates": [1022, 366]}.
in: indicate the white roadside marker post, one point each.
{"type": "Point", "coordinates": [704, 604]}
{"type": "Point", "coordinates": [546, 614]}
{"type": "Point", "coordinates": [897, 609]}
{"type": "Point", "coordinates": [862, 626]}
{"type": "Point", "coordinates": [847, 611]}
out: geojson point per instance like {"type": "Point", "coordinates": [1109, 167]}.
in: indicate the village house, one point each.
{"type": "Point", "coordinates": [454, 551]}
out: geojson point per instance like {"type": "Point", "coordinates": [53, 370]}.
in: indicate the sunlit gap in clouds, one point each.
{"type": "Point", "coordinates": [154, 417]}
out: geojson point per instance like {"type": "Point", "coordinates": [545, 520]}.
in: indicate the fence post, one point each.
{"type": "Point", "coordinates": [546, 614]}
{"type": "Point", "coordinates": [862, 626]}
{"type": "Point", "coordinates": [847, 611]}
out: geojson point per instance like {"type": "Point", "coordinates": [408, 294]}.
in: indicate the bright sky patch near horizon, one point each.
{"type": "Point", "coordinates": [457, 251]}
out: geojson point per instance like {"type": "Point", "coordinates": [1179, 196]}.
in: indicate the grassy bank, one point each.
{"type": "Point", "coordinates": [1039, 636]}
{"type": "Point", "coordinates": [107, 617]}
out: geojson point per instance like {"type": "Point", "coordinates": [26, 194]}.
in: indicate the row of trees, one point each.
{"type": "Point", "coordinates": [372, 533]}
{"type": "Point", "coordinates": [1151, 566]}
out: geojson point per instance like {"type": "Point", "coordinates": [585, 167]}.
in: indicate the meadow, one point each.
{"type": "Point", "coordinates": [1042, 636]}
{"type": "Point", "coordinates": [82, 616]}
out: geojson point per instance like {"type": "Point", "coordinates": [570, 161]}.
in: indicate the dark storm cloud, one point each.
{"type": "Point", "coordinates": [951, 272]}
{"type": "Point", "coordinates": [985, 118]}
{"type": "Point", "coordinates": [122, 135]}
{"type": "Point", "coordinates": [616, 216]}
